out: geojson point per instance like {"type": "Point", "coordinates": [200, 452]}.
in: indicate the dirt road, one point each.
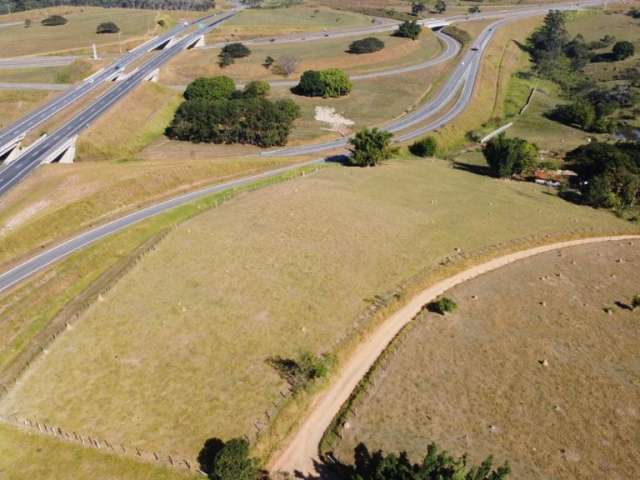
{"type": "Point", "coordinates": [301, 450]}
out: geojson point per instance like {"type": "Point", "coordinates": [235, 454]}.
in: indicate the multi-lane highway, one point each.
{"type": "Point", "coordinates": [33, 157]}
{"type": "Point", "coordinates": [458, 89]}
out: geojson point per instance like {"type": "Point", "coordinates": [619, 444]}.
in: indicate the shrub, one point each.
{"type": "Point", "coordinates": [301, 372]}
{"type": "Point", "coordinates": [635, 301]}
{"type": "Point", "coordinates": [257, 88]}
{"type": "Point", "coordinates": [474, 9]}
{"type": "Point", "coordinates": [236, 50]}
{"type": "Point", "coordinates": [442, 306]}
{"type": "Point", "coordinates": [268, 62]}
{"type": "Point", "coordinates": [510, 156]}
{"type": "Point", "coordinates": [460, 35]}
{"type": "Point", "coordinates": [409, 30]}
{"type": "Point", "coordinates": [54, 20]}
{"type": "Point", "coordinates": [285, 66]}
{"type": "Point", "coordinates": [440, 6]}
{"type": "Point", "coordinates": [107, 27]}
{"type": "Point", "coordinates": [366, 45]}
{"type": "Point", "coordinates": [622, 50]}
{"type": "Point", "coordinates": [425, 147]}
{"type": "Point", "coordinates": [210, 88]}
{"type": "Point", "coordinates": [232, 462]}
{"type": "Point", "coordinates": [326, 83]}
{"type": "Point", "coordinates": [370, 147]}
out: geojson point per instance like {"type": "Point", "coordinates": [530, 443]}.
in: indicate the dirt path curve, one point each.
{"type": "Point", "coordinates": [301, 451]}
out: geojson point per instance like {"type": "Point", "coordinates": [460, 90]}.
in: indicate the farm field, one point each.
{"type": "Point", "coordinates": [27, 456]}
{"type": "Point", "coordinates": [281, 21]}
{"type": "Point", "coordinates": [316, 55]}
{"type": "Point", "coordinates": [79, 32]}
{"type": "Point", "coordinates": [529, 368]}
{"type": "Point", "coordinates": [298, 261]}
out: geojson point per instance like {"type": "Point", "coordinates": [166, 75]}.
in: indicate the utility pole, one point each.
{"type": "Point", "coordinates": [95, 52]}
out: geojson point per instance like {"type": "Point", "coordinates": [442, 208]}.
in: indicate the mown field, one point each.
{"type": "Point", "coordinates": [79, 32]}
{"type": "Point", "coordinates": [317, 55]}
{"type": "Point", "coordinates": [530, 368]}
{"type": "Point", "coordinates": [67, 74]}
{"type": "Point", "coordinates": [283, 269]}
{"type": "Point", "coordinates": [16, 103]}
{"type": "Point", "coordinates": [25, 456]}
{"type": "Point", "coordinates": [281, 21]}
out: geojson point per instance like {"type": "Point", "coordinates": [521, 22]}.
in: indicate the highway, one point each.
{"type": "Point", "coordinates": [33, 157]}
{"type": "Point", "coordinates": [45, 112]}
{"type": "Point", "coordinates": [459, 87]}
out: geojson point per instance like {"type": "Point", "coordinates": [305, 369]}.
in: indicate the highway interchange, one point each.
{"type": "Point", "coordinates": [459, 86]}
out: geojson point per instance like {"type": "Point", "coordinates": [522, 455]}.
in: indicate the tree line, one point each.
{"type": "Point", "coordinates": [22, 5]}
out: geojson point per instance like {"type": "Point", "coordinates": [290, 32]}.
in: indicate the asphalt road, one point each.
{"type": "Point", "coordinates": [33, 157]}
{"type": "Point", "coordinates": [459, 86]}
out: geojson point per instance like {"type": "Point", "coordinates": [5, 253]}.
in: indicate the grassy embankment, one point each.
{"type": "Point", "coordinates": [296, 261]}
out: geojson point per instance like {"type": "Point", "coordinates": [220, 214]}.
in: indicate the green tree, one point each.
{"type": "Point", "coordinates": [581, 113]}
{"type": "Point", "coordinates": [107, 27]}
{"type": "Point", "coordinates": [326, 83]}
{"type": "Point", "coordinates": [622, 50]}
{"type": "Point", "coordinates": [210, 88]}
{"type": "Point", "coordinates": [410, 30]}
{"type": "Point", "coordinates": [510, 156]}
{"type": "Point", "coordinates": [233, 462]}
{"type": "Point", "coordinates": [440, 6]}
{"type": "Point", "coordinates": [366, 45]}
{"type": "Point", "coordinates": [442, 306]}
{"type": "Point", "coordinates": [54, 20]}
{"type": "Point", "coordinates": [417, 7]}
{"type": "Point", "coordinates": [474, 9]}
{"type": "Point", "coordinates": [236, 50]}
{"type": "Point", "coordinates": [268, 62]}
{"type": "Point", "coordinates": [425, 147]}
{"type": "Point", "coordinates": [257, 88]}
{"type": "Point", "coordinates": [370, 147]}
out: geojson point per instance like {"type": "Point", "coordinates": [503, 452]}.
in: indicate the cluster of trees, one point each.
{"type": "Point", "coordinates": [608, 175]}
{"type": "Point", "coordinates": [107, 27]}
{"type": "Point", "coordinates": [332, 82]}
{"type": "Point", "coordinates": [214, 112]}
{"type": "Point", "coordinates": [420, 6]}
{"type": "Point", "coordinates": [369, 147]}
{"type": "Point", "coordinates": [409, 29]}
{"type": "Point", "coordinates": [436, 465]}
{"type": "Point", "coordinates": [230, 52]}
{"type": "Point", "coordinates": [590, 110]}
{"type": "Point", "coordinates": [366, 45]}
{"type": "Point", "coordinates": [54, 20]}
{"type": "Point", "coordinates": [228, 460]}
{"type": "Point", "coordinates": [301, 372]}
{"type": "Point", "coordinates": [198, 5]}
{"type": "Point", "coordinates": [634, 13]}
{"type": "Point", "coordinates": [510, 156]}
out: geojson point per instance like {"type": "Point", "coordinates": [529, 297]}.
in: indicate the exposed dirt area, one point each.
{"type": "Point", "coordinates": [532, 368]}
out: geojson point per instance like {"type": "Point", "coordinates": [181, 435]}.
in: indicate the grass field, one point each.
{"type": "Point", "coordinates": [474, 381]}
{"type": "Point", "coordinates": [16, 103]}
{"type": "Point", "coordinates": [280, 21]}
{"type": "Point", "coordinates": [79, 32]}
{"type": "Point", "coordinates": [267, 274]}
{"type": "Point", "coordinates": [311, 55]}
{"type": "Point", "coordinates": [67, 74]}
{"type": "Point", "coordinates": [25, 456]}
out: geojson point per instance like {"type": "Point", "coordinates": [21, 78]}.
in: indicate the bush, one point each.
{"type": "Point", "coordinates": [510, 156]}
{"type": "Point", "coordinates": [107, 27]}
{"type": "Point", "coordinates": [366, 45]}
{"type": "Point", "coordinates": [232, 462]}
{"type": "Point", "coordinates": [635, 301]}
{"type": "Point", "coordinates": [257, 88]}
{"type": "Point", "coordinates": [460, 35]}
{"type": "Point", "coordinates": [326, 83]}
{"type": "Point", "coordinates": [440, 6]}
{"type": "Point", "coordinates": [268, 61]}
{"type": "Point", "coordinates": [54, 20]}
{"type": "Point", "coordinates": [425, 147]}
{"type": "Point", "coordinates": [236, 50]}
{"type": "Point", "coordinates": [370, 147]}
{"type": "Point", "coordinates": [210, 88]}
{"type": "Point", "coordinates": [442, 306]}
{"type": "Point", "coordinates": [409, 30]}
{"type": "Point", "coordinates": [285, 66]}
{"type": "Point", "coordinates": [474, 9]}
{"type": "Point", "coordinates": [301, 372]}
{"type": "Point", "coordinates": [623, 50]}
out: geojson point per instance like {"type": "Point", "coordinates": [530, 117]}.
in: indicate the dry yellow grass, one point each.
{"type": "Point", "coordinates": [17, 103]}
{"type": "Point", "coordinates": [176, 351]}
{"type": "Point", "coordinates": [474, 380]}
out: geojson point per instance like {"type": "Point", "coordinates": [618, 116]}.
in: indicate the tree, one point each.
{"type": "Point", "coordinates": [424, 148]}
{"type": "Point", "coordinates": [232, 462]}
{"type": "Point", "coordinates": [442, 306]}
{"type": "Point", "coordinates": [417, 7]}
{"type": "Point", "coordinates": [54, 20]}
{"type": "Point", "coordinates": [210, 88]}
{"type": "Point", "coordinates": [440, 6]}
{"type": "Point", "coordinates": [436, 465]}
{"type": "Point", "coordinates": [236, 50]}
{"type": "Point", "coordinates": [370, 146]}
{"type": "Point", "coordinates": [257, 88]}
{"type": "Point", "coordinates": [581, 113]}
{"type": "Point", "coordinates": [27, 23]}
{"type": "Point", "coordinates": [635, 301]}
{"type": "Point", "coordinates": [474, 9]}
{"type": "Point", "coordinates": [510, 156]}
{"type": "Point", "coordinates": [410, 30]}
{"type": "Point", "coordinates": [332, 82]}
{"type": "Point", "coordinates": [366, 45]}
{"type": "Point", "coordinates": [268, 61]}
{"type": "Point", "coordinates": [285, 65]}
{"type": "Point", "coordinates": [622, 50]}
{"type": "Point", "coordinates": [107, 27]}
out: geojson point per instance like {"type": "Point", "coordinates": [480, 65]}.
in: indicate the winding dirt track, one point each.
{"type": "Point", "coordinates": [301, 452]}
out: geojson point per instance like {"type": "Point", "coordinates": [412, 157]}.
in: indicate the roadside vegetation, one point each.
{"type": "Point", "coordinates": [366, 45]}
{"type": "Point", "coordinates": [369, 147]}
{"type": "Point", "coordinates": [330, 83]}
